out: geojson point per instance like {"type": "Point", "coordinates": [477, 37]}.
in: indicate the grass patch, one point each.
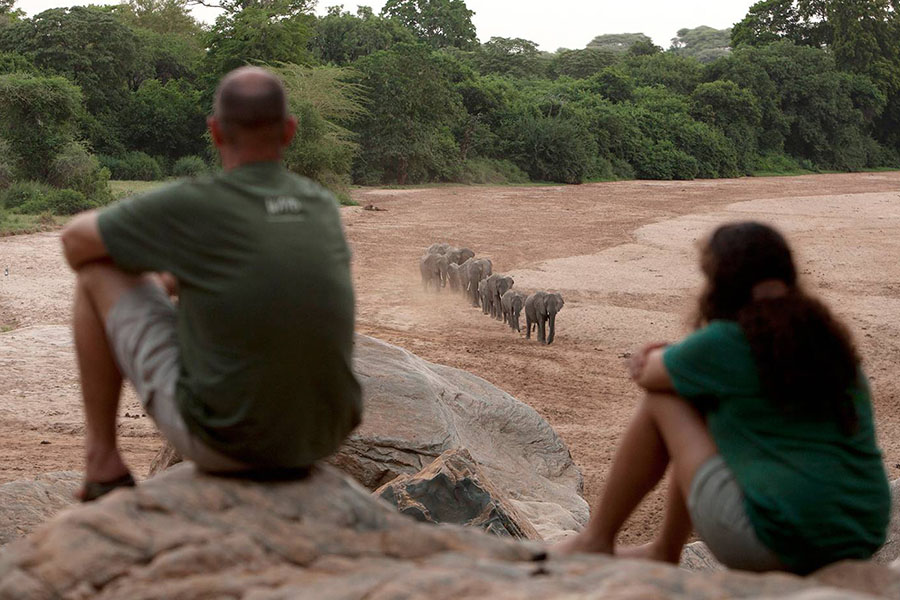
{"type": "Point", "coordinates": [123, 188]}
{"type": "Point", "coordinates": [15, 223]}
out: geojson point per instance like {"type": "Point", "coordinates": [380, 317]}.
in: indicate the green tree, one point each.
{"type": "Point", "coordinates": [556, 148]}
{"type": "Point", "coordinates": [38, 118]}
{"type": "Point", "coordinates": [802, 22]}
{"type": "Point", "coordinates": [9, 12]}
{"type": "Point", "coordinates": [165, 119]}
{"type": "Point", "coordinates": [86, 44]}
{"type": "Point", "coordinates": [259, 32]}
{"type": "Point", "coordinates": [406, 136]}
{"type": "Point", "coordinates": [325, 101]}
{"type": "Point", "coordinates": [340, 38]}
{"type": "Point", "coordinates": [618, 42]}
{"type": "Point", "coordinates": [160, 16]}
{"type": "Point", "coordinates": [514, 57]}
{"type": "Point", "coordinates": [613, 83]}
{"type": "Point", "coordinates": [706, 44]}
{"type": "Point", "coordinates": [581, 64]}
{"type": "Point", "coordinates": [439, 23]}
{"type": "Point", "coordinates": [677, 73]}
{"type": "Point", "coordinates": [734, 111]}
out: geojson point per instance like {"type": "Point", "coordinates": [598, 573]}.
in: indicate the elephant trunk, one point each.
{"type": "Point", "coordinates": [552, 328]}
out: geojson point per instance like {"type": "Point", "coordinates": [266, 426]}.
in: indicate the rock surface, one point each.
{"type": "Point", "coordinates": [184, 536]}
{"type": "Point", "coordinates": [415, 411]}
{"type": "Point", "coordinates": [452, 489]}
{"type": "Point", "coordinates": [26, 504]}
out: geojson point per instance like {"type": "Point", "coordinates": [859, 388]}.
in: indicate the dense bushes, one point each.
{"type": "Point", "coordinates": [133, 166]}
{"type": "Point", "coordinates": [189, 166]}
{"type": "Point", "coordinates": [24, 192]}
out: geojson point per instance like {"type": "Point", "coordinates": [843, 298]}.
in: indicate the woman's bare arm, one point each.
{"type": "Point", "coordinates": [647, 369]}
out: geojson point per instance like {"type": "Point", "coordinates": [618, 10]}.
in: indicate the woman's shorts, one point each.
{"type": "Point", "coordinates": [716, 505]}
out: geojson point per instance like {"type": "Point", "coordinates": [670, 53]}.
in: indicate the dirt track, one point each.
{"type": "Point", "coordinates": [622, 254]}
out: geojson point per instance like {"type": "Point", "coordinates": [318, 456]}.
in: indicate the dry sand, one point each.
{"type": "Point", "coordinates": [622, 254]}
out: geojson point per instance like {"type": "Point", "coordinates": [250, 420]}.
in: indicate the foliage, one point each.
{"type": "Point", "coordinates": [75, 168]}
{"type": "Point", "coordinates": [161, 16]}
{"type": "Point", "coordinates": [706, 44]}
{"type": "Point", "coordinates": [135, 165]}
{"type": "Point", "coordinates": [261, 32]}
{"type": "Point", "coordinates": [57, 202]}
{"type": "Point", "coordinates": [412, 105]}
{"type": "Point", "coordinates": [552, 148]}
{"type": "Point", "coordinates": [8, 164]}
{"type": "Point", "coordinates": [165, 119]}
{"type": "Point", "coordinates": [662, 160]}
{"type": "Point", "coordinates": [11, 62]}
{"type": "Point", "coordinates": [515, 57]}
{"type": "Point", "coordinates": [677, 73]}
{"type": "Point", "coordinates": [37, 117]}
{"type": "Point", "coordinates": [189, 166]}
{"type": "Point", "coordinates": [581, 64]}
{"type": "Point", "coordinates": [439, 23]}
{"type": "Point", "coordinates": [340, 38]}
{"type": "Point", "coordinates": [88, 45]}
{"type": "Point", "coordinates": [491, 171]}
{"type": "Point", "coordinates": [22, 192]}
{"type": "Point", "coordinates": [618, 42]}
{"type": "Point", "coordinates": [323, 100]}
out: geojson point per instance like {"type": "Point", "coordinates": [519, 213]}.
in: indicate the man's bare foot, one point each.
{"type": "Point", "coordinates": [648, 551]}
{"type": "Point", "coordinates": [580, 543]}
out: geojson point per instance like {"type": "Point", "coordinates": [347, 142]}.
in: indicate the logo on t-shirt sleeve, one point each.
{"type": "Point", "coordinates": [284, 208]}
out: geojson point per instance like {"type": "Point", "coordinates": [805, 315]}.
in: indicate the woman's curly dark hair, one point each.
{"type": "Point", "coordinates": [805, 357]}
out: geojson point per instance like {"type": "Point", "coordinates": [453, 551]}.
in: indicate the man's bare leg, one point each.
{"type": "Point", "coordinates": [98, 288]}
{"type": "Point", "coordinates": [665, 427]}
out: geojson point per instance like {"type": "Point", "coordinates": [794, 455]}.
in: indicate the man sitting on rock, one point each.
{"type": "Point", "coordinates": [251, 371]}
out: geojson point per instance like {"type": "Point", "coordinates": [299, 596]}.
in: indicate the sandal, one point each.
{"type": "Point", "coordinates": [95, 489]}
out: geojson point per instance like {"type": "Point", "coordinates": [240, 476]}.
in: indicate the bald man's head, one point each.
{"type": "Point", "coordinates": [251, 103]}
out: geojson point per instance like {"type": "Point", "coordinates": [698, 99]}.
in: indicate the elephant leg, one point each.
{"type": "Point", "coordinates": [516, 322]}
{"type": "Point", "coordinates": [552, 329]}
{"type": "Point", "coordinates": [542, 329]}
{"type": "Point", "coordinates": [527, 327]}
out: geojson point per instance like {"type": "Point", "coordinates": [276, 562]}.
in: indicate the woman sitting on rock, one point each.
{"type": "Point", "coordinates": [765, 417]}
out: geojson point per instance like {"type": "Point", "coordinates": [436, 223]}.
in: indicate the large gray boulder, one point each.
{"type": "Point", "coordinates": [452, 489]}
{"type": "Point", "coordinates": [416, 410]}
{"type": "Point", "coordinates": [26, 504]}
{"type": "Point", "coordinates": [184, 536]}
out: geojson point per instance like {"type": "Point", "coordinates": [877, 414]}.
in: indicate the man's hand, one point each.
{"type": "Point", "coordinates": [646, 368]}
{"type": "Point", "coordinates": [82, 242]}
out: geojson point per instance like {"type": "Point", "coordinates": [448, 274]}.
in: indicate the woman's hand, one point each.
{"type": "Point", "coordinates": [647, 369]}
{"type": "Point", "coordinates": [638, 360]}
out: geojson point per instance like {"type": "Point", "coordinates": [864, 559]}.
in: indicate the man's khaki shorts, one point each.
{"type": "Point", "coordinates": [716, 505]}
{"type": "Point", "coordinates": [141, 329]}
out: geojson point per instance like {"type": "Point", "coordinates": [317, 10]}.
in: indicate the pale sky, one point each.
{"type": "Point", "coordinates": [551, 24]}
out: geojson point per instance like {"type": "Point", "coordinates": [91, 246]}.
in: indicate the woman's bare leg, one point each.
{"type": "Point", "coordinates": [665, 428]}
{"type": "Point", "coordinates": [676, 529]}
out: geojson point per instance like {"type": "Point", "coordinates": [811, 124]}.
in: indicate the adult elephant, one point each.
{"type": "Point", "coordinates": [497, 285]}
{"type": "Point", "coordinates": [471, 272]}
{"type": "Point", "coordinates": [540, 308]}
{"type": "Point", "coordinates": [443, 265]}
{"type": "Point", "coordinates": [459, 255]}
{"type": "Point", "coordinates": [438, 248]}
{"type": "Point", "coordinates": [430, 269]}
{"type": "Point", "coordinates": [453, 276]}
{"type": "Point", "coordinates": [511, 304]}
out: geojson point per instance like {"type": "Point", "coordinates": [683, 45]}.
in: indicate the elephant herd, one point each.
{"type": "Point", "coordinates": [457, 268]}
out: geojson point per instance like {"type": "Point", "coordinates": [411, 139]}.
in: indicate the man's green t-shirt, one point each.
{"type": "Point", "coordinates": [813, 494]}
{"type": "Point", "coordinates": [265, 308]}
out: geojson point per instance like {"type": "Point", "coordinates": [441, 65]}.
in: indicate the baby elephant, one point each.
{"type": "Point", "coordinates": [541, 307]}
{"type": "Point", "coordinates": [511, 303]}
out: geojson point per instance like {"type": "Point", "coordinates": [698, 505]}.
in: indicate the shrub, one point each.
{"type": "Point", "coordinates": [7, 164]}
{"type": "Point", "coordinates": [662, 160]}
{"type": "Point", "coordinates": [189, 166]}
{"type": "Point", "coordinates": [553, 149]}
{"type": "Point", "coordinates": [22, 192]}
{"type": "Point", "coordinates": [491, 171]}
{"type": "Point", "coordinates": [776, 163]}
{"type": "Point", "coordinates": [58, 202]}
{"type": "Point", "coordinates": [133, 166]}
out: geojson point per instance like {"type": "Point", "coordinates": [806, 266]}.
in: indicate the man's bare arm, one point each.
{"type": "Point", "coordinates": [82, 242]}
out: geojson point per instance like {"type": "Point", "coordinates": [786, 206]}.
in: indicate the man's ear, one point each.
{"type": "Point", "coordinates": [290, 129]}
{"type": "Point", "coordinates": [215, 131]}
